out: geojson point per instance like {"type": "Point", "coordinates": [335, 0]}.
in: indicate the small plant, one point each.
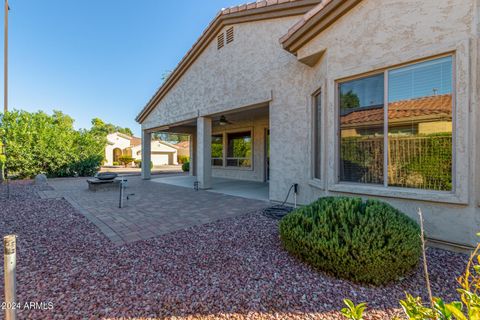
{"type": "Point", "coordinates": [186, 167]}
{"type": "Point", "coordinates": [352, 311]}
{"type": "Point", "coordinates": [468, 308]}
{"type": "Point", "coordinates": [183, 159]}
{"type": "Point", "coordinates": [138, 163]}
{"type": "Point", "coordinates": [125, 160]}
{"type": "Point", "coordinates": [366, 242]}
{"type": "Point", "coordinates": [116, 163]}
{"type": "Point", "coordinates": [414, 308]}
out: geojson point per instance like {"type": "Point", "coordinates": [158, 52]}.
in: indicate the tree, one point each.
{"type": "Point", "coordinates": [349, 100]}
{"type": "Point", "coordinates": [170, 137]}
{"type": "Point", "coordinates": [41, 143]}
{"type": "Point", "coordinates": [102, 128]}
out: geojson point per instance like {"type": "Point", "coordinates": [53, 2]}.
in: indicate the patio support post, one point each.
{"type": "Point", "coordinates": [193, 157]}
{"type": "Point", "coordinates": [146, 154]}
{"type": "Point", "coordinates": [204, 152]}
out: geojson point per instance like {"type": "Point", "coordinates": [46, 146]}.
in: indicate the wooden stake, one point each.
{"type": "Point", "coordinates": [10, 265]}
{"type": "Point", "coordinates": [425, 266]}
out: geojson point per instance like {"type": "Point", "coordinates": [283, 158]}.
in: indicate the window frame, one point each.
{"type": "Point", "coordinates": [317, 147]}
{"type": "Point", "coordinates": [384, 189]}
{"type": "Point", "coordinates": [223, 150]}
{"type": "Point", "coordinates": [224, 134]}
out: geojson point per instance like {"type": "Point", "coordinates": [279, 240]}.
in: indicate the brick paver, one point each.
{"type": "Point", "coordinates": [153, 210]}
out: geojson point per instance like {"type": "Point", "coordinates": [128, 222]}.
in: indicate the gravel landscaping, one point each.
{"type": "Point", "coordinates": [234, 268]}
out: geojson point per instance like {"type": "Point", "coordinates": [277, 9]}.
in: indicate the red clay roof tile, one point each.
{"type": "Point", "coordinates": [433, 107]}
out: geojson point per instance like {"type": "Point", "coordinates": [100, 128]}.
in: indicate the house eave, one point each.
{"type": "Point", "coordinates": [327, 13]}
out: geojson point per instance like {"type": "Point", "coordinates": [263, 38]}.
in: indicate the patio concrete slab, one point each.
{"type": "Point", "coordinates": [152, 209]}
{"type": "Point", "coordinates": [238, 188]}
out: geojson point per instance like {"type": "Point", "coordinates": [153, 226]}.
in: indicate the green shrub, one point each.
{"type": "Point", "coordinates": [116, 163]}
{"type": "Point", "coordinates": [85, 167]}
{"type": "Point", "coordinates": [182, 159]}
{"type": "Point", "coordinates": [186, 167]}
{"type": "Point", "coordinates": [40, 143]}
{"type": "Point", "coordinates": [2, 165]}
{"type": "Point", "coordinates": [366, 242]}
{"type": "Point", "coordinates": [125, 160]}
{"type": "Point", "coordinates": [139, 164]}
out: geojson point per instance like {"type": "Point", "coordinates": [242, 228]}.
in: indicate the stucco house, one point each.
{"type": "Point", "coordinates": [119, 144]}
{"type": "Point", "coordinates": [372, 98]}
{"type": "Point", "coordinates": [183, 148]}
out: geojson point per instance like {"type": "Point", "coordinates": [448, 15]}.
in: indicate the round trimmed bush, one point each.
{"type": "Point", "coordinates": [186, 166]}
{"type": "Point", "coordinates": [367, 242]}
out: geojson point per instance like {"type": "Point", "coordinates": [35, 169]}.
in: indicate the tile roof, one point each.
{"type": "Point", "coordinates": [425, 108]}
{"type": "Point", "coordinates": [253, 5]}
{"type": "Point", "coordinates": [183, 144]}
{"type": "Point", "coordinates": [135, 141]}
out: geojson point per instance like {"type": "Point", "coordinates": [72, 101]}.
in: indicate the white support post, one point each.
{"type": "Point", "coordinates": [204, 152]}
{"type": "Point", "coordinates": [146, 154]}
{"type": "Point", "coordinates": [10, 265]}
{"type": "Point", "coordinates": [193, 157]}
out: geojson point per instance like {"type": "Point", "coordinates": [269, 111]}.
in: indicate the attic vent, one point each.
{"type": "Point", "coordinates": [220, 41]}
{"type": "Point", "coordinates": [229, 34]}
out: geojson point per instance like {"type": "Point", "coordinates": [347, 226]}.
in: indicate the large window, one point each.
{"type": "Point", "coordinates": [217, 150]}
{"type": "Point", "coordinates": [418, 116]}
{"type": "Point", "coordinates": [239, 149]}
{"type": "Point", "coordinates": [317, 135]}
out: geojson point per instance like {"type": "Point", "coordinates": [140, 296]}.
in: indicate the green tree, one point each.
{"type": "Point", "coordinates": [349, 100]}
{"type": "Point", "coordinates": [41, 143]}
{"type": "Point", "coordinates": [170, 137]}
{"type": "Point", "coordinates": [101, 128]}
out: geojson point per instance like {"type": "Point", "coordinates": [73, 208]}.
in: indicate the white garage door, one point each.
{"type": "Point", "coordinates": [160, 159]}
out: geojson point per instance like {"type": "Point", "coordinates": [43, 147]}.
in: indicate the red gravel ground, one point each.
{"type": "Point", "coordinates": [234, 268]}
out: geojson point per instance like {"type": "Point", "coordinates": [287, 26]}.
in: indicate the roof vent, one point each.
{"type": "Point", "coordinates": [229, 35]}
{"type": "Point", "coordinates": [220, 41]}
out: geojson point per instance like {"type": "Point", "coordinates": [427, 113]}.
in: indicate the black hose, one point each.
{"type": "Point", "coordinates": [277, 212]}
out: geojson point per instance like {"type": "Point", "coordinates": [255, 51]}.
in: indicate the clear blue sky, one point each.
{"type": "Point", "coordinates": [98, 58]}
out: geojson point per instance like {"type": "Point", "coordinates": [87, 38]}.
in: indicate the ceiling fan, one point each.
{"type": "Point", "coordinates": [223, 121]}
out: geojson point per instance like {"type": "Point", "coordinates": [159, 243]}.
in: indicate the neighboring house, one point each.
{"type": "Point", "coordinates": [183, 148]}
{"type": "Point", "coordinates": [119, 144]}
{"type": "Point", "coordinates": [372, 98]}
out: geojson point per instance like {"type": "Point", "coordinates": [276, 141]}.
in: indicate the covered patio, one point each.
{"type": "Point", "coordinates": [229, 151]}
{"type": "Point", "coordinates": [239, 188]}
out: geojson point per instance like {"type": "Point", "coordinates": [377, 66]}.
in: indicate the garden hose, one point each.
{"type": "Point", "coordinates": [277, 212]}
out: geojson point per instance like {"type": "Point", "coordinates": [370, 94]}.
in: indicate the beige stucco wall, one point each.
{"type": "Point", "coordinates": [242, 73]}
{"type": "Point", "coordinates": [375, 34]}
{"type": "Point", "coordinates": [380, 34]}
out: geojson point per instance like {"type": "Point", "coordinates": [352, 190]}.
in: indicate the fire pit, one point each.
{"type": "Point", "coordinates": [106, 175]}
{"type": "Point", "coordinates": [104, 181]}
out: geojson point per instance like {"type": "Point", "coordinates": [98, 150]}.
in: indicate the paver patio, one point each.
{"type": "Point", "coordinates": [153, 210]}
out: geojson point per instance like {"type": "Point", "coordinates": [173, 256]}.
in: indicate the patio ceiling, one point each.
{"type": "Point", "coordinates": [236, 115]}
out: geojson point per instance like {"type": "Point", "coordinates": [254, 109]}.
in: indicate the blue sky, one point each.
{"type": "Point", "coordinates": [98, 58]}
